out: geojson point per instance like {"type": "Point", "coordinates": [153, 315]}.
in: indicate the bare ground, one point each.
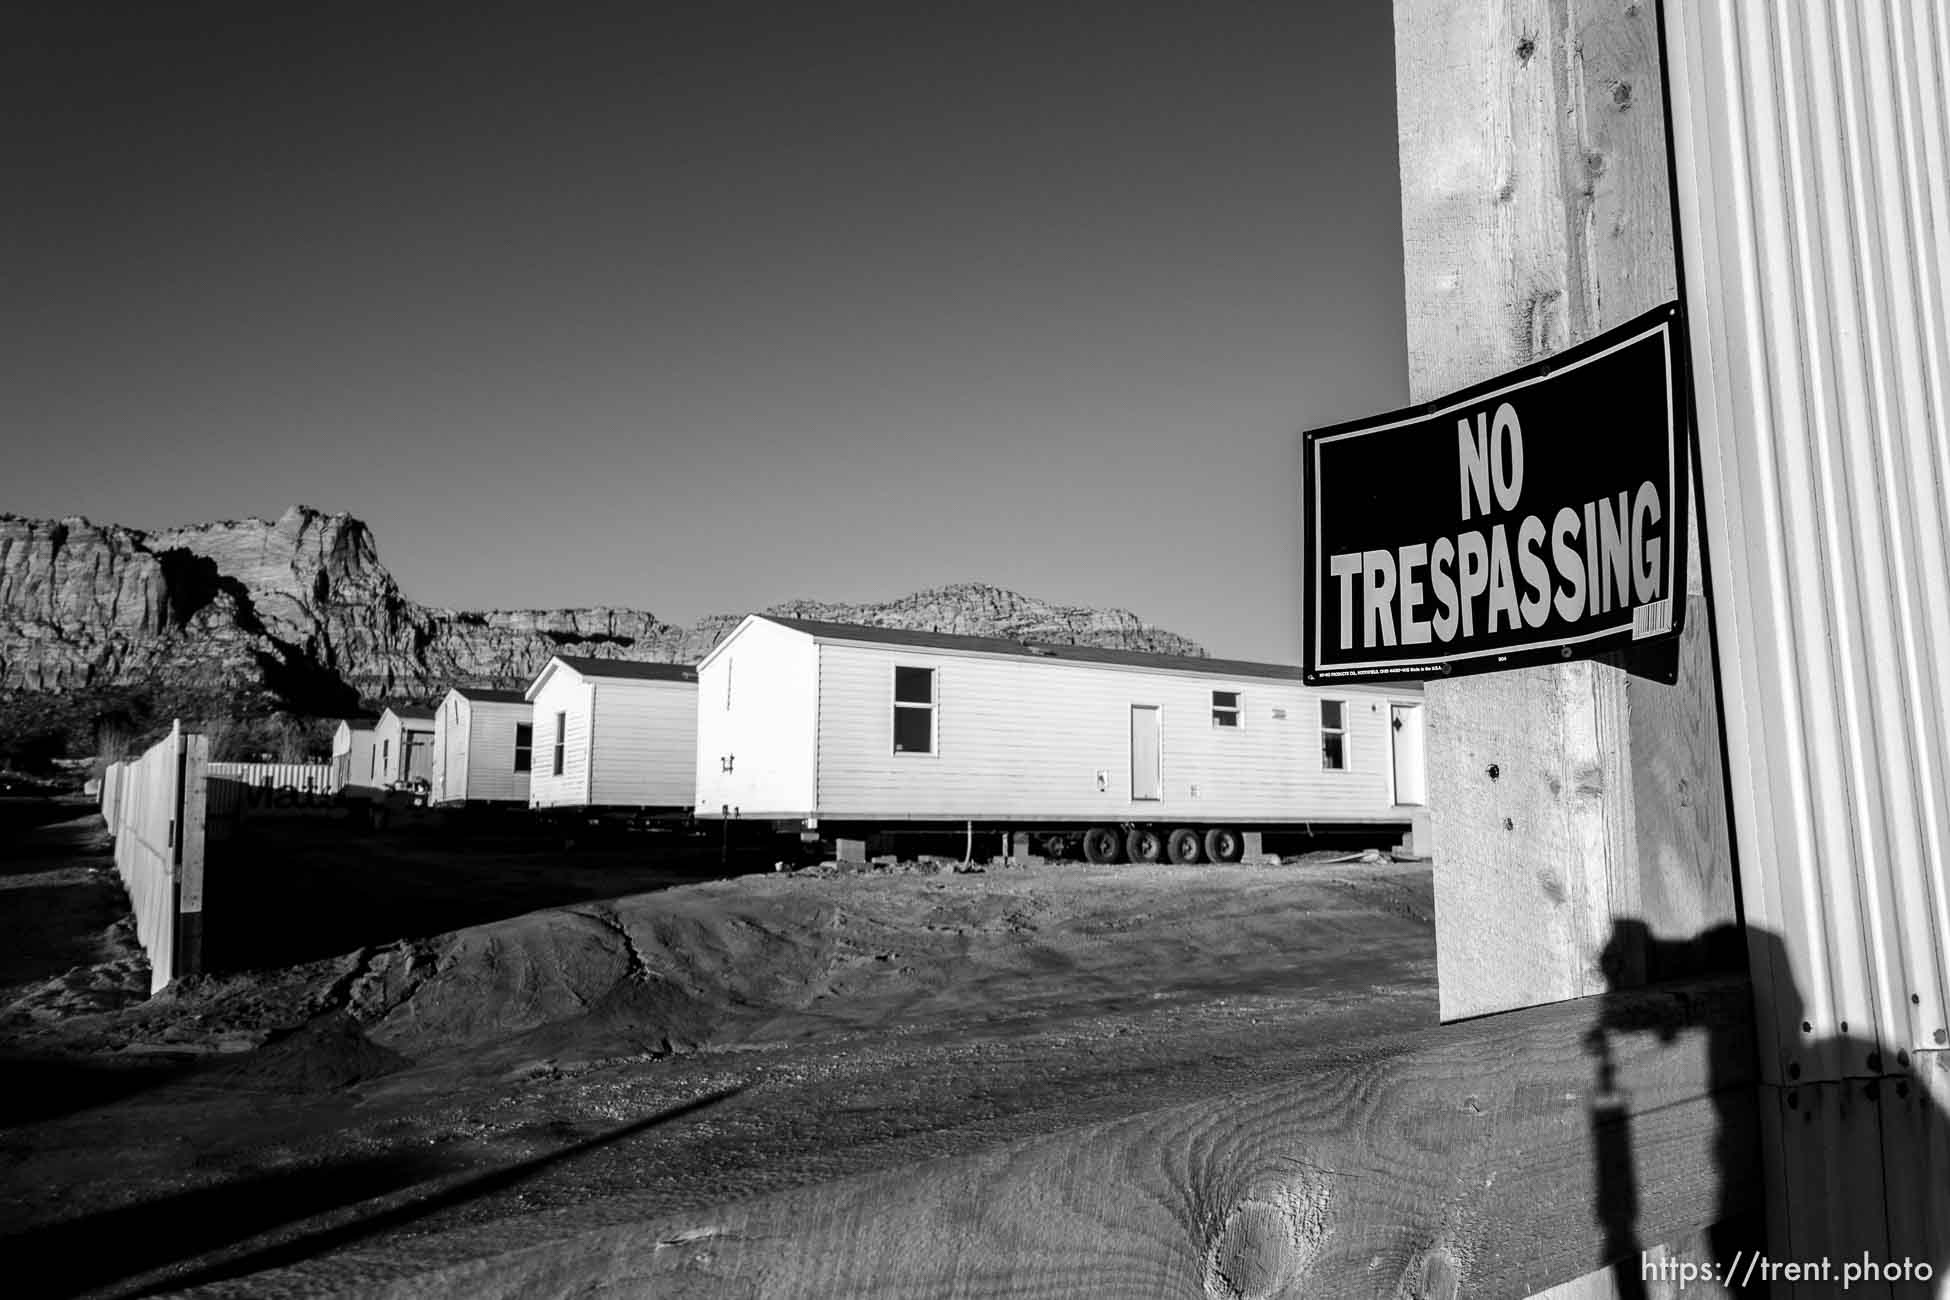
{"type": "Point", "coordinates": [613, 1058]}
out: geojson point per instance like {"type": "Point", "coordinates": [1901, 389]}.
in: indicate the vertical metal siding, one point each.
{"type": "Point", "coordinates": [310, 777]}
{"type": "Point", "coordinates": [1814, 192]}
{"type": "Point", "coordinates": [144, 805]}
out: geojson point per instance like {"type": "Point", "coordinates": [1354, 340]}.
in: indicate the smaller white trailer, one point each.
{"type": "Point", "coordinates": [848, 730]}
{"type": "Point", "coordinates": [483, 747]}
{"type": "Point", "coordinates": [404, 738]}
{"type": "Point", "coordinates": [355, 754]}
{"type": "Point", "coordinates": [614, 734]}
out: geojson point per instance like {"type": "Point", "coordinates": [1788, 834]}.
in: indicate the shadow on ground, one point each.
{"type": "Point", "coordinates": [39, 1088]}
{"type": "Point", "coordinates": [284, 891]}
{"type": "Point", "coordinates": [119, 1245]}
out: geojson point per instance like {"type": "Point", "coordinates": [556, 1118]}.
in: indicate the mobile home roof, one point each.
{"type": "Point", "coordinates": [411, 712]}
{"type": "Point", "coordinates": [993, 645]}
{"type": "Point", "coordinates": [490, 697]}
{"type": "Point", "coordinates": [632, 669]}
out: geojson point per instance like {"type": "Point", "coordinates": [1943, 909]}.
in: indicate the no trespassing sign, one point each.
{"type": "Point", "coordinates": [1538, 516]}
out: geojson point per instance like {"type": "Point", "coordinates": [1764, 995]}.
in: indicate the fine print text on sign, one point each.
{"type": "Point", "coordinates": [1536, 517]}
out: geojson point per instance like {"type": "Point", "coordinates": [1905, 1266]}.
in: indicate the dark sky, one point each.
{"type": "Point", "coordinates": [699, 308]}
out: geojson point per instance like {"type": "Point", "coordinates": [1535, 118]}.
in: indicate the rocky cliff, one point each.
{"type": "Point", "coordinates": [300, 610]}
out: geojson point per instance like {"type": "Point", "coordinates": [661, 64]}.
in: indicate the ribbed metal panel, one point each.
{"type": "Point", "coordinates": [313, 777]}
{"type": "Point", "coordinates": [1814, 192]}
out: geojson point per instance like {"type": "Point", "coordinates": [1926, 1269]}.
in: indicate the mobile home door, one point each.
{"type": "Point", "coordinates": [1411, 781]}
{"type": "Point", "coordinates": [416, 755]}
{"type": "Point", "coordinates": [1147, 753]}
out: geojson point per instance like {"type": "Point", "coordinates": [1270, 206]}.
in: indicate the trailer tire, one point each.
{"type": "Point", "coordinates": [1223, 844]}
{"type": "Point", "coordinates": [1183, 846]}
{"type": "Point", "coordinates": [1102, 845]}
{"type": "Point", "coordinates": [1142, 844]}
{"type": "Point", "coordinates": [1056, 847]}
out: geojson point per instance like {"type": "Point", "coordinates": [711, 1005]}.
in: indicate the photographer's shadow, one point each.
{"type": "Point", "coordinates": [1860, 1146]}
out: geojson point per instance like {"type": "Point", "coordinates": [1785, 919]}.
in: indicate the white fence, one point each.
{"type": "Point", "coordinates": [307, 778]}
{"type": "Point", "coordinates": [154, 806]}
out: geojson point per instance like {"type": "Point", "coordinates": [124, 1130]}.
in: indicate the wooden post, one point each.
{"type": "Point", "coordinates": [192, 841]}
{"type": "Point", "coordinates": [1535, 213]}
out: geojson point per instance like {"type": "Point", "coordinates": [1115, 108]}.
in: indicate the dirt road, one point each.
{"type": "Point", "coordinates": [607, 1060]}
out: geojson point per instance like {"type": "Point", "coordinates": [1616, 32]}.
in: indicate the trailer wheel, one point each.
{"type": "Point", "coordinates": [1142, 844]}
{"type": "Point", "coordinates": [1182, 846]}
{"type": "Point", "coordinates": [1222, 844]}
{"type": "Point", "coordinates": [1056, 847]}
{"type": "Point", "coordinates": [1102, 845]}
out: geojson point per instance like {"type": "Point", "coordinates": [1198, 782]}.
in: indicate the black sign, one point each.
{"type": "Point", "coordinates": [1537, 517]}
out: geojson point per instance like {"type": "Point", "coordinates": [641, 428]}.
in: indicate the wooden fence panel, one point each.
{"type": "Point", "coordinates": [1469, 1160]}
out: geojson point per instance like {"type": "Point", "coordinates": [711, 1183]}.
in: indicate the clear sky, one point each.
{"type": "Point", "coordinates": [700, 308]}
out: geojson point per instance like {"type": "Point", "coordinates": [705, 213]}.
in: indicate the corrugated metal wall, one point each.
{"type": "Point", "coordinates": [1815, 198]}
{"type": "Point", "coordinates": [159, 843]}
{"type": "Point", "coordinates": [314, 777]}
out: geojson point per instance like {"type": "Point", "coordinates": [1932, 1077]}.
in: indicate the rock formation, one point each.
{"type": "Point", "coordinates": [300, 609]}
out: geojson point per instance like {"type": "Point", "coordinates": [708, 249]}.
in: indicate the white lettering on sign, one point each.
{"type": "Point", "coordinates": [1602, 556]}
{"type": "Point", "coordinates": [1491, 455]}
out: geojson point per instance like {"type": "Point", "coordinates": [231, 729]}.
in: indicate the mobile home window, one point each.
{"type": "Point", "coordinates": [1225, 708]}
{"type": "Point", "coordinates": [1333, 735]}
{"type": "Point", "coordinates": [561, 743]}
{"type": "Point", "coordinates": [524, 747]}
{"type": "Point", "coordinates": [386, 755]}
{"type": "Point", "coordinates": [913, 710]}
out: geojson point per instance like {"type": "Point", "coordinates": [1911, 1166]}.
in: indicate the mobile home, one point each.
{"type": "Point", "coordinates": [614, 733]}
{"type": "Point", "coordinates": [483, 747]}
{"type": "Point", "coordinates": [404, 739]}
{"type": "Point", "coordinates": [355, 754]}
{"type": "Point", "coordinates": [1117, 753]}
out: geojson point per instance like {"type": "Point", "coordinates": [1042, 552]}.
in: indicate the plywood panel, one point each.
{"type": "Point", "coordinates": [1535, 215]}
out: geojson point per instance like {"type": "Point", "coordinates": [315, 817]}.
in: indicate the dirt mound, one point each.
{"type": "Point", "coordinates": [83, 991]}
{"type": "Point", "coordinates": [654, 973]}
{"type": "Point", "coordinates": [327, 1052]}
{"type": "Point", "coordinates": [772, 958]}
{"type": "Point", "coordinates": [762, 961]}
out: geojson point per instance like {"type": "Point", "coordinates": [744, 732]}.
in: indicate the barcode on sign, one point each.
{"type": "Point", "coordinates": [1651, 619]}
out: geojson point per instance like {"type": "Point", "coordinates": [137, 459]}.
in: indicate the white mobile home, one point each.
{"type": "Point", "coordinates": [404, 739]}
{"type": "Point", "coordinates": [355, 754]}
{"type": "Point", "coordinates": [830, 724]}
{"type": "Point", "coordinates": [483, 747]}
{"type": "Point", "coordinates": [613, 733]}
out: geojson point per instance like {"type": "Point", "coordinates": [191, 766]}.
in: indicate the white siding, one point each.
{"type": "Point", "coordinates": [568, 694]}
{"type": "Point", "coordinates": [450, 725]}
{"type": "Point", "coordinates": [391, 738]}
{"type": "Point", "coordinates": [644, 744]}
{"type": "Point", "coordinates": [490, 752]}
{"type": "Point", "coordinates": [353, 761]}
{"type": "Point", "coordinates": [755, 709]}
{"type": "Point", "coordinates": [1027, 738]}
